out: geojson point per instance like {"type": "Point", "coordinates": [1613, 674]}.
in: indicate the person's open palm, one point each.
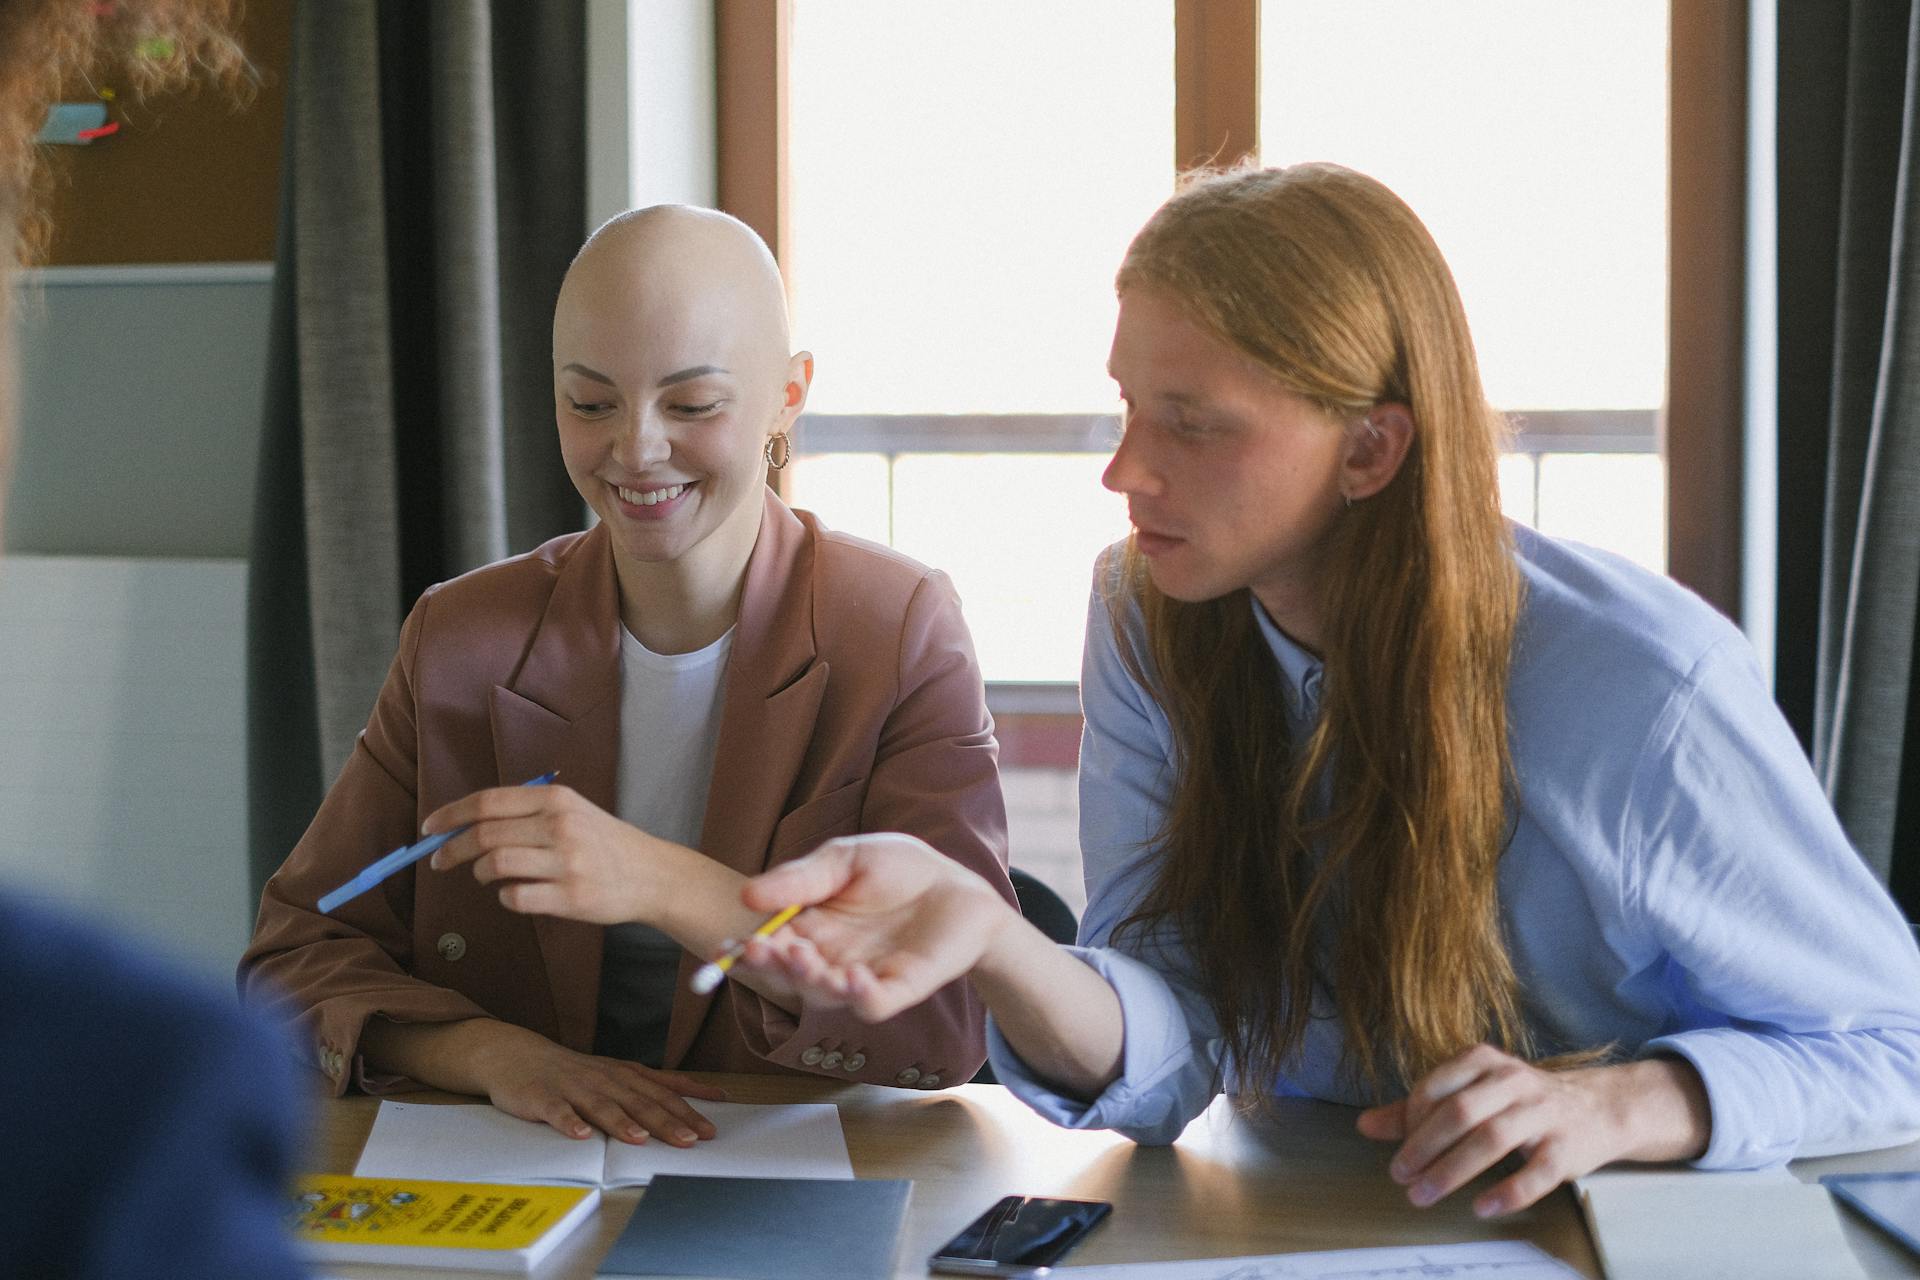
{"type": "Point", "coordinates": [889, 921]}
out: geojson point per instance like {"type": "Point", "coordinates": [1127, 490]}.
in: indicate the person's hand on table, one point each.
{"type": "Point", "coordinates": [1475, 1110]}
{"type": "Point", "coordinates": [889, 921]}
{"type": "Point", "coordinates": [553, 852]}
{"type": "Point", "coordinates": [529, 1076]}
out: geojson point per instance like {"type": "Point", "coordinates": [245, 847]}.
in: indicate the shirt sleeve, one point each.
{"type": "Point", "coordinates": [1170, 1067]}
{"type": "Point", "coordinates": [1795, 980]}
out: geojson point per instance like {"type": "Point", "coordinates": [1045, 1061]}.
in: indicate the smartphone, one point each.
{"type": "Point", "coordinates": [1020, 1236]}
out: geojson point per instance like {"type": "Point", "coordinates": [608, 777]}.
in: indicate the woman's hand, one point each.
{"type": "Point", "coordinates": [555, 853]}
{"type": "Point", "coordinates": [889, 921]}
{"type": "Point", "coordinates": [529, 1076]}
{"type": "Point", "coordinates": [1473, 1111]}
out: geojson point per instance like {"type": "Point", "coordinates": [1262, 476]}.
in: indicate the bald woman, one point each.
{"type": "Point", "coordinates": [722, 685]}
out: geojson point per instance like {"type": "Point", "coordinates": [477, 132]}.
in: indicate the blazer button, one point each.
{"type": "Point", "coordinates": [930, 1081]}
{"type": "Point", "coordinates": [907, 1077]}
{"type": "Point", "coordinates": [855, 1061]}
{"type": "Point", "coordinates": [451, 946]}
{"type": "Point", "coordinates": [831, 1061]}
{"type": "Point", "coordinates": [812, 1056]}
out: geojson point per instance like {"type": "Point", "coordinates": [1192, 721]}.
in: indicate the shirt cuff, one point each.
{"type": "Point", "coordinates": [1754, 1108]}
{"type": "Point", "coordinates": [836, 1044]}
{"type": "Point", "coordinates": [1166, 1076]}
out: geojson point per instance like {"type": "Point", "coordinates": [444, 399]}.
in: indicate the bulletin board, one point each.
{"type": "Point", "coordinates": [188, 177]}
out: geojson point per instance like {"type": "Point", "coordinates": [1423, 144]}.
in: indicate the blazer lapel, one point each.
{"type": "Point", "coordinates": [774, 687]}
{"type": "Point", "coordinates": [561, 711]}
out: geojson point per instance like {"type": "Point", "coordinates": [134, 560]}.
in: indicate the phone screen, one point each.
{"type": "Point", "coordinates": [1020, 1235]}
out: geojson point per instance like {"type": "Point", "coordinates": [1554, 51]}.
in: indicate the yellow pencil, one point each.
{"type": "Point", "coordinates": [709, 975]}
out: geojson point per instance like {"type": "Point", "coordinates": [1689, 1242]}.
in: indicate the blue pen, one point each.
{"type": "Point", "coordinates": [405, 856]}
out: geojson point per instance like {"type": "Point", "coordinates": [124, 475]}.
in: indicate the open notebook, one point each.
{"type": "Point", "coordinates": [484, 1144]}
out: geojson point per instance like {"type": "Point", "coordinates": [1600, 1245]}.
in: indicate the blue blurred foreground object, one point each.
{"type": "Point", "coordinates": [405, 856]}
{"type": "Point", "coordinates": [150, 1122]}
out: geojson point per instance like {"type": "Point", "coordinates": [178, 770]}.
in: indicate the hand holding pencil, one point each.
{"type": "Point", "coordinates": [887, 921]}
{"type": "Point", "coordinates": [711, 974]}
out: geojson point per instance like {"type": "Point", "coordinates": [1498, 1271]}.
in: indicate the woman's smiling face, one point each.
{"type": "Point", "coordinates": [670, 373]}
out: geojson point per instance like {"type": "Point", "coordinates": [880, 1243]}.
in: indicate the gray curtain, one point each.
{"type": "Point", "coordinates": [432, 194]}
{"type": "Point", "coordinates": [1849, 353]}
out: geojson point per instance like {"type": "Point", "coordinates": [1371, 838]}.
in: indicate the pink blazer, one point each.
{"type": "Point", "coordinates": [853, 703]}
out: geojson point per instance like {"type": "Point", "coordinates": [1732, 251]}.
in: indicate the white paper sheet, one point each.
{"type": "Point", "coordinates": [1488, 1260]}
{"type": "Point", "coordinates": [799, 1140]}
{"type": "Point", "coordinates": [1657, 1224]}
{"type": "Point", "coordinates": [484, 1144]}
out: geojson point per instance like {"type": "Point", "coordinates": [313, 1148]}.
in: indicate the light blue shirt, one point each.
{"type": "Point", "coordinates": [1676, 883]}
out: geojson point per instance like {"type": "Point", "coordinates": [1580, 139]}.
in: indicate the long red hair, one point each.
{"type": "Point", "coordinates": [1359, 864]}
{"type": "Point", "coordinates": [46, 46]}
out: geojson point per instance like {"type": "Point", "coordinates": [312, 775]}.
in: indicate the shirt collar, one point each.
{"type": "Point", "coordinates": [1300, 669]}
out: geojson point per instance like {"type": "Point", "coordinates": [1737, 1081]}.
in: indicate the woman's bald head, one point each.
{"type": "Point", "coordinates": [671, 257]}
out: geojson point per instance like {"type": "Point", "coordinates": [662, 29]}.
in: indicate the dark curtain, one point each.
{"type": "Point", "coordinates": [1849, 430]}
{"type": "Point", "coordinates": [432, 194]}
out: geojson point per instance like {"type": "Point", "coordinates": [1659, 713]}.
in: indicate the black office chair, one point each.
{"type": "Point", "coordinates": [1048, 912]}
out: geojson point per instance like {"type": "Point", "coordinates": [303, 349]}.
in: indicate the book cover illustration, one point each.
{"type": "Point", "coordinates": [342, 1209]}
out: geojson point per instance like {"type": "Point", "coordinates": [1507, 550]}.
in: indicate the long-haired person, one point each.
{"type": "Point", "coordinates": [149, 1124]}
{"type": "Point", "coordinates": [720, 682]}
{"type": "Point", "coordinates": [1386, 801]}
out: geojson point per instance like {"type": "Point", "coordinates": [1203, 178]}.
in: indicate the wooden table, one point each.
{"type": "Point", "coordinates": [1230, 1186]}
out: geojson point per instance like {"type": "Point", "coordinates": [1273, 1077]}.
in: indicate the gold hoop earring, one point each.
{"type": "Point", "coordinates": [786, 450]}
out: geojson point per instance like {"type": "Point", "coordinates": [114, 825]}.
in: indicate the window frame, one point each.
{"type": "Point", "coordinates": [1216, 107]}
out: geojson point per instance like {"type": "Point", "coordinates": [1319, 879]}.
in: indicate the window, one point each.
{"type": "Point", "coordinates": [956, 220]}
{"type": "Point", "coordinates": [1531, 139]}
{"type": "Point", "coordinates": [959, 183]}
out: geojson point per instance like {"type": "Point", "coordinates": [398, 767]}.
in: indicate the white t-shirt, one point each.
{"type": "Point", "coordinates": [669, 723]}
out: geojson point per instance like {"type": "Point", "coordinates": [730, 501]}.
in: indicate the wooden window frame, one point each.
{"type": "Point", "coordinates": [1216, 122]}
{"type": "Point", "coordinates": [752, 40]}
{"type": "Point", "coordinates": [1216, 99]}
{"type": "Point", "coordinates": [1216, 82]}
{"type": "Point", "coordinates": [1703, 420]}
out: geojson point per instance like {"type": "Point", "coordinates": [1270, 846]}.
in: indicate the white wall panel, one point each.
{"type": "Point", "coordinates": [122, 744]}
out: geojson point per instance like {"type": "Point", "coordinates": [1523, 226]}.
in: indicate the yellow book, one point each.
{"type": "Point", "coordinates": [482, 1226]}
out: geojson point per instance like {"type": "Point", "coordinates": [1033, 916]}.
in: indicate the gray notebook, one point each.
{"type": "Point", "coordinates": [763, 1229]}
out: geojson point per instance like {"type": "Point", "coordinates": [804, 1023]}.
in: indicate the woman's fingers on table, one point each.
{"type": "Point", "coordinates": [687, 1086]}
{"type": "Point", "coordinates": [1385, 1123]}
{"type": "Point", "coordinates": [637, 1106]}
{"type": "Point", "coordinates": [1546, 1168]}
{"type": "Point", "coordinates": [1476, 1110]}
{"type": "Point", "coordinates": [554, 1111]}
{"type": "Point", "coordinates": [1479, 1147]}
{"type": "Point", "coordinates": [576, 1093]}
{"type": "Point", "coordinates": [1439, 1120]}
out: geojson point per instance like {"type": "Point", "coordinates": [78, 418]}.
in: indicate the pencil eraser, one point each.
{"type": "Point", "coordinates": [706, 978]}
